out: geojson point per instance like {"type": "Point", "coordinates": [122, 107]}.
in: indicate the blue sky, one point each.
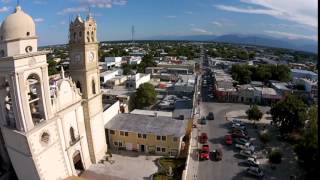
{"type": "Point", "coordinates": [292, 19]}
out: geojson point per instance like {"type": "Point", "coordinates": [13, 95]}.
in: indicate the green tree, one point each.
{"type": "Point", "coordinates": [52, 67]}
{"type": "Point", "coordinates": [147, 61]}
{"type": "Point", "coordinates": [126, 69]}
{"type": "Point", "coordinates": [307, 148]}
{"type": "Point", "coordinates": [145, 95]}
{"type": "Point", "coordinates": [254, 113]}
{"type": "Point", "coordinates": [289, 114]}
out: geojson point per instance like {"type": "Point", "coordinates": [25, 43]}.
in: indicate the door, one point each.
{"type": "Point", "coordinates": [129, 146]}
{"type": "Point", "coordinates": [142, 148]}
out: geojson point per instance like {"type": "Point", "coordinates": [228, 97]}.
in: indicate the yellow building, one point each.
{"type": "Point", "coordinates": [144, 133]}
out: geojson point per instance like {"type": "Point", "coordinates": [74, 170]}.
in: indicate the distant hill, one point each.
{"type": "Point", "coordinates": [261, 40]}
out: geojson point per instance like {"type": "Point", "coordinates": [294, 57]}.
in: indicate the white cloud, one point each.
{"type": "Point", "coordinates": [188, 12]}
{"type": "Point", "coordinates": [291, 35]}
{"type": "Point", "coordinates": [171, 16]}
{"type": "Point", "coordinates": [73, 10]}
{"type": "Point", "coordinates": [104, 3]}
{"type": "Point", "coordinates": [216, 23]}
{"type": "Point", "coordinates": [38, 20]}
{"type": "Point", "coordinates": [202, 31]}
{"type": "Point", "coordinates": [4, 9]}
{"type": "Point", "coordinates": [299, 11]}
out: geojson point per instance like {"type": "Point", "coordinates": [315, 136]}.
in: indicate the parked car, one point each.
{"type": "Point", "coordinates": [237, 121]}
{"type": "Point", "coordinates": [194, 125]}
{"type": "Point", "coordinates": [241, 141]}
{"type": "Point", "coordinates": [203, 120]}
{"type": "Point", "coordinates": [255, 171]}
{"type": "Point", "coordinates": [239, 126]}
{"type": "Point", "coordinates": [204, 152]}
{"type": "Point", "coordinates": [217, 154]}
{"type": "Point", "coordinates": [210, 116]}
{"type": "Point", "coordinates": [239, 131]}
{"type": "Point", "coordinates": [239, 134]}
{"type": "Point", "coordinates": [253, 162]}
{"type": "Point", "coordinates": [228, 139]}
{"type": "Point", "coordinates": [203, 138]}
{"type": "Point", "coordinates": [247, 153]}
{"type": "Point", "coordinates": [246, 146]}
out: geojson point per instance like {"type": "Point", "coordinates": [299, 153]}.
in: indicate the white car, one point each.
{"type": "Point", "coordinates": [252, 162]}
{"type": "Point", "coordinates": [255, 171]}
{"type": "Point", "coordinates": [237, 121]}
{"type": "Point", "coordinates": [247, 153]}
{"type": "Point", "coordinates": [246, 146]}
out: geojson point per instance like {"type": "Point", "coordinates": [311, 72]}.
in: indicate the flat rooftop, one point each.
{"type": "Point", "coordinates": [162, 126]}
{"type": "Point", "coordinates": [151, 113]}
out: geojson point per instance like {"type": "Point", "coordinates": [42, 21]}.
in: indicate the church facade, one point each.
{"type": "Point", "coordinates": [49, 133]}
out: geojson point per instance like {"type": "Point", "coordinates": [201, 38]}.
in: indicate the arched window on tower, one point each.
{"type": "Point", "coordinates": [35, 99]}
{"type": "Point", "coordinates": [74, 36]}
{"type": "Point", "coordinates": [93, 87]}
{"type": "Point", "coordinates": [9, 114]}
{"type": "Point", "coordinates": [92, 36]}
{"type": "Point", "coordinates": [72, 136]}
{"type": "Point", "coordinates": [80, 34]}
{"type": "Point", "coordinates": [78, 85]}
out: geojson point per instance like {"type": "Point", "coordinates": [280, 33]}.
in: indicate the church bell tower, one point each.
{"type": "Point", "coordinates": [84, 70]}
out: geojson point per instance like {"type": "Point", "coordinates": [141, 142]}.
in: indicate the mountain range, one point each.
{"type": "Point", "coordinates": [260, 40]}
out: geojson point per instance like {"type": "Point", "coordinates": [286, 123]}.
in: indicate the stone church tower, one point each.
{"type": "Point", "coordinates": [49, 132]}
{"type": "Point", "coordinates": [84, 70]}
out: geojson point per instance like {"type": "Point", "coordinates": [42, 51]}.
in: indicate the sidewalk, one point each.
{"type": "Point", "coordinates": [192, 170]}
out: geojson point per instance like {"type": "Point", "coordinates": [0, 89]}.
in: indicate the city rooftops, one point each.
{"type": "Point", "coordinates": [303, 71]}
{"type": "Point", "coordinates": [151, 113]}
{"type": "Point", "coordinates": [158, 125]}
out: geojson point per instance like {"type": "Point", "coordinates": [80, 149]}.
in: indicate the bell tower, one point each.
{"type": "Point", "coordinates": [84, 70]}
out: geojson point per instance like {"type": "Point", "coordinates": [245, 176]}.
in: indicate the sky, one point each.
{"type": "Point", "coordinates": [291, 19]}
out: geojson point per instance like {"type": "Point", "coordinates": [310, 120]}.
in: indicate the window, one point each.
{"type": "Point", "coordinates": [144, 136]}
{"type": "Point", "coordinates": [72, 136]}
{"type": "Point", "coordinates": [175, 139]}
{"type": "Point", "coordinates": [80, 34]}
{"type": "Point", "coordinates": [112, 132]}
{"type": "Point", "coordinates": [74, 35]}
{"type": "Point", "coordinates": [28, 33]}
{"type": "Point", "coordinates": [121, 133]}
{"type": "Point", "coordinates": [78, 85]}
{"type": "Point", "coordinates": [2, 53]}
{"type": "Point", "coordinates": [115, 143]}
{"type": "Point", "coordinates": [164, 138]}
{"type": "Point", "coordinates": [159, 138]}
{"type": "Point", "coordinates": [163, 149]}
{"type": "Point", "coordinates": [28, 49]}
{"type": "Point", "coordinates": [126, 133]}
{"type": "Point", "coordinates": [93, 87]}
{"type": "Point", "coordinates": [34, 97]}
{"type": "Point", "coordinates": [139, 135]}
{"type": "Point", "coordinates": [158, 149]}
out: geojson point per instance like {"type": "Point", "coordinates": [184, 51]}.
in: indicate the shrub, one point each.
{"type": "Point", "coordinates": [275, 156]}
{"type": "Point", "coordinates": [265, 137]}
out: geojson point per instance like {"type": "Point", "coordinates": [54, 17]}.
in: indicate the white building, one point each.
{"type": "Point", "coordinates": [136, 80]}
{"type": "Point", "coordinates": [135, 60]}
{"type": "Point", "coordinates": [113, 61]}
{"type": "Point", "coordinates": [107, 75]}
{"type": "Point", "coordinates": [49, 136]}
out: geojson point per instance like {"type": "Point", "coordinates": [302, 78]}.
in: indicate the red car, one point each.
{"type": "Point", "coordinates": [203, 138]}
{"type": "Point", "coordinates": [228, 139]}
{"type": "Point", "coordinates": [204, 152]}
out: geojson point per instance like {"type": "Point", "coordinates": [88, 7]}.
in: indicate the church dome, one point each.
{"type": "Point", "coordinates": [17, 25]}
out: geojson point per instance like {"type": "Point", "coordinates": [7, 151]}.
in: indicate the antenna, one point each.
{"type": "Point", "coordinates": [132, 34]}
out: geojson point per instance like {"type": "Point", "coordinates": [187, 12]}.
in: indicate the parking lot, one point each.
{"type": "Point", "coordinates": [126, 166]}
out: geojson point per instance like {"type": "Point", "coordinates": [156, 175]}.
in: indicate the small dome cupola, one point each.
{"type": "Point", "coordinates": [18, 25]}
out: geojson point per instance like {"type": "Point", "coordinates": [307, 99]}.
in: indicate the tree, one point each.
{"type": "Point", "coordinates": [145, 95]}
{"type": "Point", "coordinates": [52, 67]}
{"type": "Point", "coordinates": [126, 69]}
{"type": "Point", "coordinates": [307, 148]}
{"type": "Point", "coordinates": [147, 61]}
{"type": "Point", "coordinates": [254, 113]}
{"type": "Point", "coordinates": [289, 114]}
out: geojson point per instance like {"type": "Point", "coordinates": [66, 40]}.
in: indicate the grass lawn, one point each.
{"type": "Point", "coordinates": [177, 168]}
